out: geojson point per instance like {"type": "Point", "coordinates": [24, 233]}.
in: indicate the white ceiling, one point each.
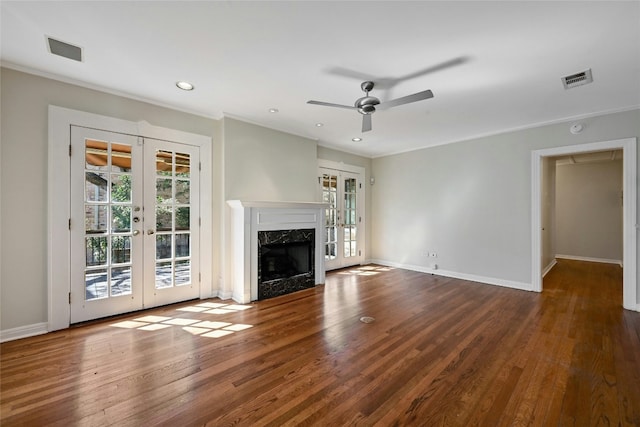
{"type": "Point", "coordinates": [247, 57]}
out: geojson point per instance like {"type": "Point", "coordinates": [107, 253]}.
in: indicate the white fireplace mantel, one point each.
{"type": "Point", "coordinates": [248, 218]}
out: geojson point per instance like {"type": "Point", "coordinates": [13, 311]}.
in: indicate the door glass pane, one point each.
{"type": "Point", "coordinates": [96, 155]}
{"type": "Point", "coordinates": [120, 157]}
{"type": "Point", "coordinates": [164, 162]}
{"type": "Point", "coordinates": [164, 218]}
{"type": "Point", "coordinates": [183, 165]}
{"type": "Point", "coordinates": [182, 245]}
{"type": "Point", "coordinates": [96, 251]}
{"type": "Point", "coordinates": [95, 185]}
{"type": "Point", "coordinates": [163, 246]}
{"type": "Point", "coordinates": [182, 191]}
{"type": "Point", "coordinates": [95, 219]}
{"type": "Point", "coordinates": [120, 249]}
{"type": "Point", "coordinates": [120, 281]}
{"type": "Point", "coordinates": [120, 218]}
{"type": "Point", "coordinates": [120, 188]}
{"type": "Point", "coordinates": [347, 250]}
{"type": "Point", "coordinates": [107, 211]}
{"type": "Point", "coordinates": [164, 275]}
{"type": "Point", "coordinates": [182, 218]}
{"type": "Point", "coordinates": [164, 190]}
{"type": "Point", "coordinates": [183, 272]}
{"type": "Point", "coordinates": [330, 251]}
{"type": "Point", "coordinates": [96, 284]}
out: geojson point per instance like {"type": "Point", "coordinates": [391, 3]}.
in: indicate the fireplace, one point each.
{"type": "Point", "coordinates": [275, 248]}
{"type": "Point", "coordinates": [285, 261]}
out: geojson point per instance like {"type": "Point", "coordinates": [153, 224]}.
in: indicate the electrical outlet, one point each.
{"type": "Point", "coordinates": [433, 255]}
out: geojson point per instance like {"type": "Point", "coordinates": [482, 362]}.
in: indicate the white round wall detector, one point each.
{"type": "Point", "coordinates": [577, 128]}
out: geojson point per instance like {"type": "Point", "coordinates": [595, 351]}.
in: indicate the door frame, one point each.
{"type": "Point", "coordinates": [362, 210]}
{"type": "Point", "coordinates": [59, 200]}
{"type": "Point", "coordinates": [630, 226]}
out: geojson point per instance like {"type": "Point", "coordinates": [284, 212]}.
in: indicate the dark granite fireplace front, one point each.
{"type": "Point", "coordinates": [285, 261]}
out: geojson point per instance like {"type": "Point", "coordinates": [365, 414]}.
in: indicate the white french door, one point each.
{"type": "Point", "coordinates": [342, 234]}
{"type": "Point", "coordinates": [134, 223]}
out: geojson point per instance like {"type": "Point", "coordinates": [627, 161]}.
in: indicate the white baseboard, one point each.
{"type": "Point", "coordinates": [549, 267]}
{"type": "Point", "coordinates": [589, 259]}
{"type": "Point", "coordinates": [24, 332]}
{"type": "Point", "coordinates": [635, 307]}
{"type": "Point", "coordinates": [225, 295]}
{"type": "Point", "coordinates": [463, 276]}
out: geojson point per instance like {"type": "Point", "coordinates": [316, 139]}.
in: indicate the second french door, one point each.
{"type": "Point", "coordinates": [342, 237]}
{"type": "Point", "coordinates": [134, 223]}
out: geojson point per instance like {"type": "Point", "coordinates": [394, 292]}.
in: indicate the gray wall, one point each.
{"type": "Point", "coordinates": [267, 165]}
{"type": "Point", "coordinates": [589, 210]}
{"type": "Point", "coordinates": [471, 201]}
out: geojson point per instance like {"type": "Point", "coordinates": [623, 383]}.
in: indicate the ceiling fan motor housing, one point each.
{"type": "Point", "coordinates": [367, 104]}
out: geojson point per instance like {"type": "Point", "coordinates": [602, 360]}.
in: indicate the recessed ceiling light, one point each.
{"type": "Point", "coordinates": [273, 110]}
{"type": "Point", "coordinates": [184, 85]}
{"type": "Point", "coordinates": [319, 125]}
{"type": "Point", "coordinates": [356, 139]}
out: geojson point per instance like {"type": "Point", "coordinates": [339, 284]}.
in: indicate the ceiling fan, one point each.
{"type": "Point", "coordinates": [366, 105]}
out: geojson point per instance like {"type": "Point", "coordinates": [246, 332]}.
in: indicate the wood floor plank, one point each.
{"type": "Point", "coordinates": [440, 351]}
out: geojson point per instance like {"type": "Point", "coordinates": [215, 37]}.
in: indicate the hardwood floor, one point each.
{"type": "Point", "coordinates": [439, 352]}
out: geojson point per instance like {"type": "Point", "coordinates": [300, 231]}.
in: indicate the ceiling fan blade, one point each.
{"type": "Point", "coordinates": [366, 122]}
{"type": "Point", "coordinates": [441, 66]}
{"type": "Point", "coordinates": [346, 72]}
{"type": "Point", "coordinates": [426, 94]}
{"type": "Point", "coordinates": [329, 104]}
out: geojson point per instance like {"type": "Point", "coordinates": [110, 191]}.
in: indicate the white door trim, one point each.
{"type": "Point", "coordinates": [59, 201]}
{"type": "Point", "coordinates": [630, 226]}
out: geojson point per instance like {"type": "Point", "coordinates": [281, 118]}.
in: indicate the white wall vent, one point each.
{"type": "Point", "coordinates": [63, 49]}
{"type": "Point", "coordinates": [577, 79]}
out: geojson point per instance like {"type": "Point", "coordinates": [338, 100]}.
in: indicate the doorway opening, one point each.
{"type": "Point", "coordinates": [629, 233]}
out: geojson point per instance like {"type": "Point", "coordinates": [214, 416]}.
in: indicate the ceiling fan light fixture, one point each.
{"type": "Point", "coordinates": [184, 85]}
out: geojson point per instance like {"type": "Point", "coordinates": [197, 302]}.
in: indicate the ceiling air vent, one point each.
{"type": "Point", "coordinates": [577, 79]}
{"type": "Point", "coordinates": [64, 49]}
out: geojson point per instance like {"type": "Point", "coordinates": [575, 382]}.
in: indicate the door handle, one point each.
{"type": "Point", "coordinates": [150, 232]}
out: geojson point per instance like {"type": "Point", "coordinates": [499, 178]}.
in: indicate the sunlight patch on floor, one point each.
{"type": "Point", "coordinates": [203, 328]}
{"type": "Point", "coordinates": [367, 270]}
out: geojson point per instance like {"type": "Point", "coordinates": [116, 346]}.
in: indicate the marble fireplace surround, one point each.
{"type": "Point", "coordinates": [248, 218]}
